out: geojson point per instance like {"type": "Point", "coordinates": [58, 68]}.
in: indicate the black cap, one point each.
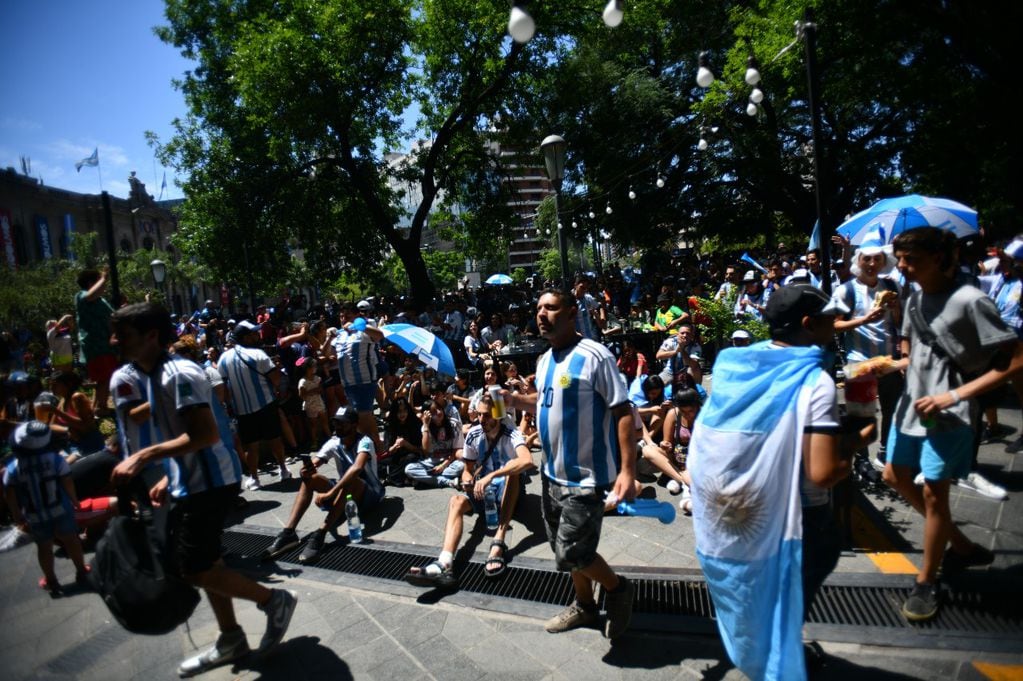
{"type": "Point", "coordinates": [789, 304]}
{"type": "Point", "coordinates": [346, 414]}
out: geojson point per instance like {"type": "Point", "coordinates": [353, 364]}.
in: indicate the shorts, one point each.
{"type": "Point", "coordinates": [197, 523]}
{"type": "Point", "coordinates": [573, 517]}
{"type": "Point", "coordinates": [333, 378]}
{"type": "Point", "coordinates": [362, 396]}
{"type": "Point", "coordinates": [62, 525]}
{"type": "Point", "coordinates": [62, 360]}
{"type": "Point", "coordinates": [101, 368]}
{"type": "Point", "coordinates": [479, 505]}
{"type": "Point", "coordinates": [292, 404]}
{"type": "Point", "coordinates": [264, 424]}
{"type": "Point", "coordinates": [941, 455]}
{"type": "Point", "coordinates": [370, 498]}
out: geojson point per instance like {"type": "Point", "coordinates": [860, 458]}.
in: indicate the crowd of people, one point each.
{"type": "Point", "coordinates": [205, 405]}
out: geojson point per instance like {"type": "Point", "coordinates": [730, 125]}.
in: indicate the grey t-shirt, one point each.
{"type": "Point", "coordinates": [967, 324]}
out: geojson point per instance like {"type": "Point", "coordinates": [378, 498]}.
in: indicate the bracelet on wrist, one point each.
{"type": "Point", "coordinates": [956, 399]}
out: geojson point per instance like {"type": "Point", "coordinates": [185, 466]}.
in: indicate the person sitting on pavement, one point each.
{"type": "Point", "coordinates": [678, 426]}
{"type": "Point", "coordinates": [75, 412]}
{"type": "Point", "coordinates": [496, 455]}
{"type": "Point", "coordinates": [681, 356]}
{"type": "Point", "coordinates": [632, 363]}
{"type": "Point", "coordinates": [442, 442]}
{"type": "Point", "coordinates": [355, 458]}
{"type": "Point", "coordinates": [650, 401]}
{"type": "Point", "coordinates": [402, 439]}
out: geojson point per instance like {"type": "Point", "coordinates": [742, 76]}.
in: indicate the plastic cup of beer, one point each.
{"type": "Point", "coordinates": [497, 408]}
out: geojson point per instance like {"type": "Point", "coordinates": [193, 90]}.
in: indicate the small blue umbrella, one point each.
{"type": "Point", "coordinates": [896, 215]}
{"type": "Point", "coordinates": [499, 279]}
{"type": "Point", "coordinates": [425, 346]}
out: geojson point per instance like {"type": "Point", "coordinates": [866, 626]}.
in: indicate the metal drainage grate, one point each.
{"type": "Point", "coordinates": [970, 618]}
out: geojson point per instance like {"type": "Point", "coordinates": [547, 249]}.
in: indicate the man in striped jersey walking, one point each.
{"type": "Point", "coordinates": [252, 380]}
{"type": "Point", "coordinates": [202, 481]}
{"type": "Point", "coordinates": [589, 449]}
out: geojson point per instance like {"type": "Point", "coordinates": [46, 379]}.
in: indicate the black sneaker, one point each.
{"type": "Point", "coordinates": [313, 546]}
{"type": "Point", "coordinates": [619, 608]}
{"type": "Point", "coordinates": [1015, 447]}
{"type": "Point", "coordinates": [957, 562]}
{"type": "Point", "coordinates": [283, 542]}
{"type": "Point", "coordinates": [922, 603]}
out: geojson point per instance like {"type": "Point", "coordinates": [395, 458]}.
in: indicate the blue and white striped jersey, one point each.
{"type": "Point", "coordinates": [356, 357]}
{"type": "Point", "coordinates": [35, 479]}
{"type": "Point", "coordinates": [585, 324]}
{"type": "Point", "coordinates": [344, 458]}
{"type": "Point", "coordinates": [130, 386]}
{"type": "Point", "coordinates": [1006, 294]}
{"type": "Point", "coordinates": [179, 384]}
{"type": "Point", "coordinates": [873, 339]}
{"type": "Point", "coordinates": [245, 371]}
{"type": "Point", "coordinates": [577, 387]}
{"type": "Point", "coordinates": [491, 457]}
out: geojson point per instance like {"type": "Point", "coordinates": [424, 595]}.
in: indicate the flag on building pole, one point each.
{"type": "Point", "coordinates": [91, 161]}
{"type": "Point", "coordinates": [163, 185]}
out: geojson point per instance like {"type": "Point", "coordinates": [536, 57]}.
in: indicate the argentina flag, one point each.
{"type": "Point", "coordinates": [745, 459]}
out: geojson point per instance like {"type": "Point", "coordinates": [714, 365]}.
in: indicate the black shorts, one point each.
{"type": "Point", "coordinates": [197, 523]}
{"type": "Point", "coordinates": [261, 425]}
{"type": "Point", "coordinates": [573, 517]}
{"type": "Point", "coordinates": [333, 378]}
{"type": "Point", "coordinates": [292, 404]}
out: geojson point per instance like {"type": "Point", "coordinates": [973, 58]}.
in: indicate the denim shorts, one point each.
{"type": "Point", "coordinates": [573, 517]}
{"type": "Point", "coordinates": [362, 396]}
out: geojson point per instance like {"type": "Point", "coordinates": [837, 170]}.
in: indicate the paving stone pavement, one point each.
{"type": "Point", "coordinates": [341, 630]}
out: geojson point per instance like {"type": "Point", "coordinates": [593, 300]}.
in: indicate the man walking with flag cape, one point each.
{"type": "Point", "coordinates": [765, 449]}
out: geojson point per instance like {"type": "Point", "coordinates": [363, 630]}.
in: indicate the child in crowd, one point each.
{"type": "Point", "coordinates": [310, 390]}
{"type": "Point", "coordinates": [41, 494]}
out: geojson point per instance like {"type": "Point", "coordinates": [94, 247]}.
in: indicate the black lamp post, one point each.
{"type": "Point", "coordinates": [159, 269]}
{"type": "Point", "coordinates": [553, 148]}
{"type": "Point", "coordinates": [809, 33]}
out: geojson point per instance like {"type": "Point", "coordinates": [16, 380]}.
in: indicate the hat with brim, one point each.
{"type": "Point", "coordinates": [245, 326]}
{"type": "Point", "coordinates": [789, 304]}
{"type": "Point", "coordinates": [31, 436]}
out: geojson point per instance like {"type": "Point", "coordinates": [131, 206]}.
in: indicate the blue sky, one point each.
{"type": "Point", "coordinates": [84, 74]}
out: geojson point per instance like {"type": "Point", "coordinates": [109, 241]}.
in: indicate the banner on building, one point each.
{"type": "Point", "coordinates": [7, 239]}
{"type": "Point", "coordinates": [65, 237]}
{"type": "Point", "coordinates": [43, 235]}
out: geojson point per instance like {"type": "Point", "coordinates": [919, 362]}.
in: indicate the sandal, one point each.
{"type": "Point", "coordinates": [502, 562]}
{"type": "Point", "coordinates": [444, 578]}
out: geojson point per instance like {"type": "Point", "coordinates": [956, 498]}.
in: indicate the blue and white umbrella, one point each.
{"type": "Point", "coordinates": [422, 344]}
{"type": "Point", "coordinates": [499, 279]}
{"type": "Point", "coordinates": [897, 215]}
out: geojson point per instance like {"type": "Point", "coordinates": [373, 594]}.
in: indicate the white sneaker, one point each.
{"type": "Point", "coordinates": [919, 479]}
{"type": "Point", "coordinates": [877, 464]}
{"type": "Point", "coordinates": [286, 474]}
{"type": "Point", "coordinates": [686, 502]}
{"type": "Point", "coordinates": [251, 482]}
{"type": "Point", "coordinates": [674, 487]}
{"type": "Point", "coordinates": [978, 483]}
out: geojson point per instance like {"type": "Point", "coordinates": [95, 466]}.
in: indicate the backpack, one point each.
{"type": "Point", "coordinates": [133, 571]}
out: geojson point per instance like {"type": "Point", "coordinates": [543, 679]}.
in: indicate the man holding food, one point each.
{"type": "Point", "coordinates": [871, 329]}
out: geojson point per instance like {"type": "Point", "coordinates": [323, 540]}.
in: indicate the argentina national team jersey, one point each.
{"type": "Point", "coordinates": [356, 357]}
{"type": "Point", "coordinates": [180, 384]}
{"type": "Point", "coordinates": [488, 458]}
{"type": "Point", "coordinates": [1006, 294]}
{"type": "Point", "coordinates": [576, 389]}
{"type": "Point", "coordinates": [344, 458]}
{"type": "Point", "coordinates": [35, 479]}
{"type": "Point", "coordinates": [245, 371]}
{"type": "Point", "coordinates": [130, 387]}
{"type": "Point", "coordinates": [584, 322]}
{"type": "Point", "coordinates": [873, 339]}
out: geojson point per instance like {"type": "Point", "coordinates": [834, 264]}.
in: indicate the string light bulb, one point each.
{"type": "Point", "coordinates": [632, 193]}
{"type": "Point", "coordinates": [704, 76]}
{"type": "Point", "coordinates": [592, 214]}
{"type": "Point", "coordinates": [521, 26]}
{"type": "Point", "coordinates": [613, 14]}
{"type": "Point", "coordinates": [751, 109]}
{"type": "Point", "coordinates": [756, 96]}
{"type": "Point", "coordinates": [702, 144]}
{"type": "Point", "coordinates": [660, 181]}
{"type": "Point", "coordinates": [752, 72]}
{"type": "Point", "coordinates": [608, 209]}
{"type": "Point", "coordinates": [575, 225]}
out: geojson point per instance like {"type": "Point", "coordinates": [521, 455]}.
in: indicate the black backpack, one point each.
{"type": "Point", "coordinates": [134, 572]}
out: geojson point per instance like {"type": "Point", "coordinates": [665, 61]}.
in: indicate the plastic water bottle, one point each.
{"type": "Point", "coordinates": [651, 508]}
{"type": "Point", "coordinates": [354, 523]}
{"type": "Point", "coordinates": [490, 507]}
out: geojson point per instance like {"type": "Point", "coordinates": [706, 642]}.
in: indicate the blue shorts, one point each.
{"type": "Point", "coordinates": [370, 498]}
{"type": "Point", "coordinates": [60, 526]}
{"type": "Point", "coordinates": [362, 396]}
{"type": "Point", "coordinates": [478, 505]}
{"type": "Point", "coordinates": [941, 455]}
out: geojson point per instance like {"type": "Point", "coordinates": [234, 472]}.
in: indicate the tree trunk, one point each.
{"type": "Point", "coordinates": [421, 288]}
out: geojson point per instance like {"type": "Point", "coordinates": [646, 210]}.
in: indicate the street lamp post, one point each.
{"type": "Point", "coordinates": [159, 269]}
{"type": "Point", "coordinates": [553, 148]}
{"type": "Point", "coordinates": [809, 32]}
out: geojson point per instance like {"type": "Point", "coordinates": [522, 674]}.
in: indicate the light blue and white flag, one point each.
{"type": "Point", "coordinates": [815, 238]}
{"type": "Point", "coordinates": [91, 161]}
{"type": "Point", "coordinates": [745, 458]}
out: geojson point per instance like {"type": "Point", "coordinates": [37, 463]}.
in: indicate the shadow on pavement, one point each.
{"type": "Point", "coordinates": [251, 508]}
{"type": "Point", "coordinates": [317, 661]}
{"type": "Point", "coordinates": [384, 516]}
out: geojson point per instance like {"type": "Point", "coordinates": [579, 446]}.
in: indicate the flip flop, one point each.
{"type": "Point", "coordinates": [502, 562]}
{"type": "Point", "coordinates": [418, 576]}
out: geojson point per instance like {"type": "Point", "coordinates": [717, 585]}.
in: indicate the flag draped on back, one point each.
{"type": "Point", "coordinates": [91, 161]}
{"type": "Point", "coordinates": [745, 459]}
